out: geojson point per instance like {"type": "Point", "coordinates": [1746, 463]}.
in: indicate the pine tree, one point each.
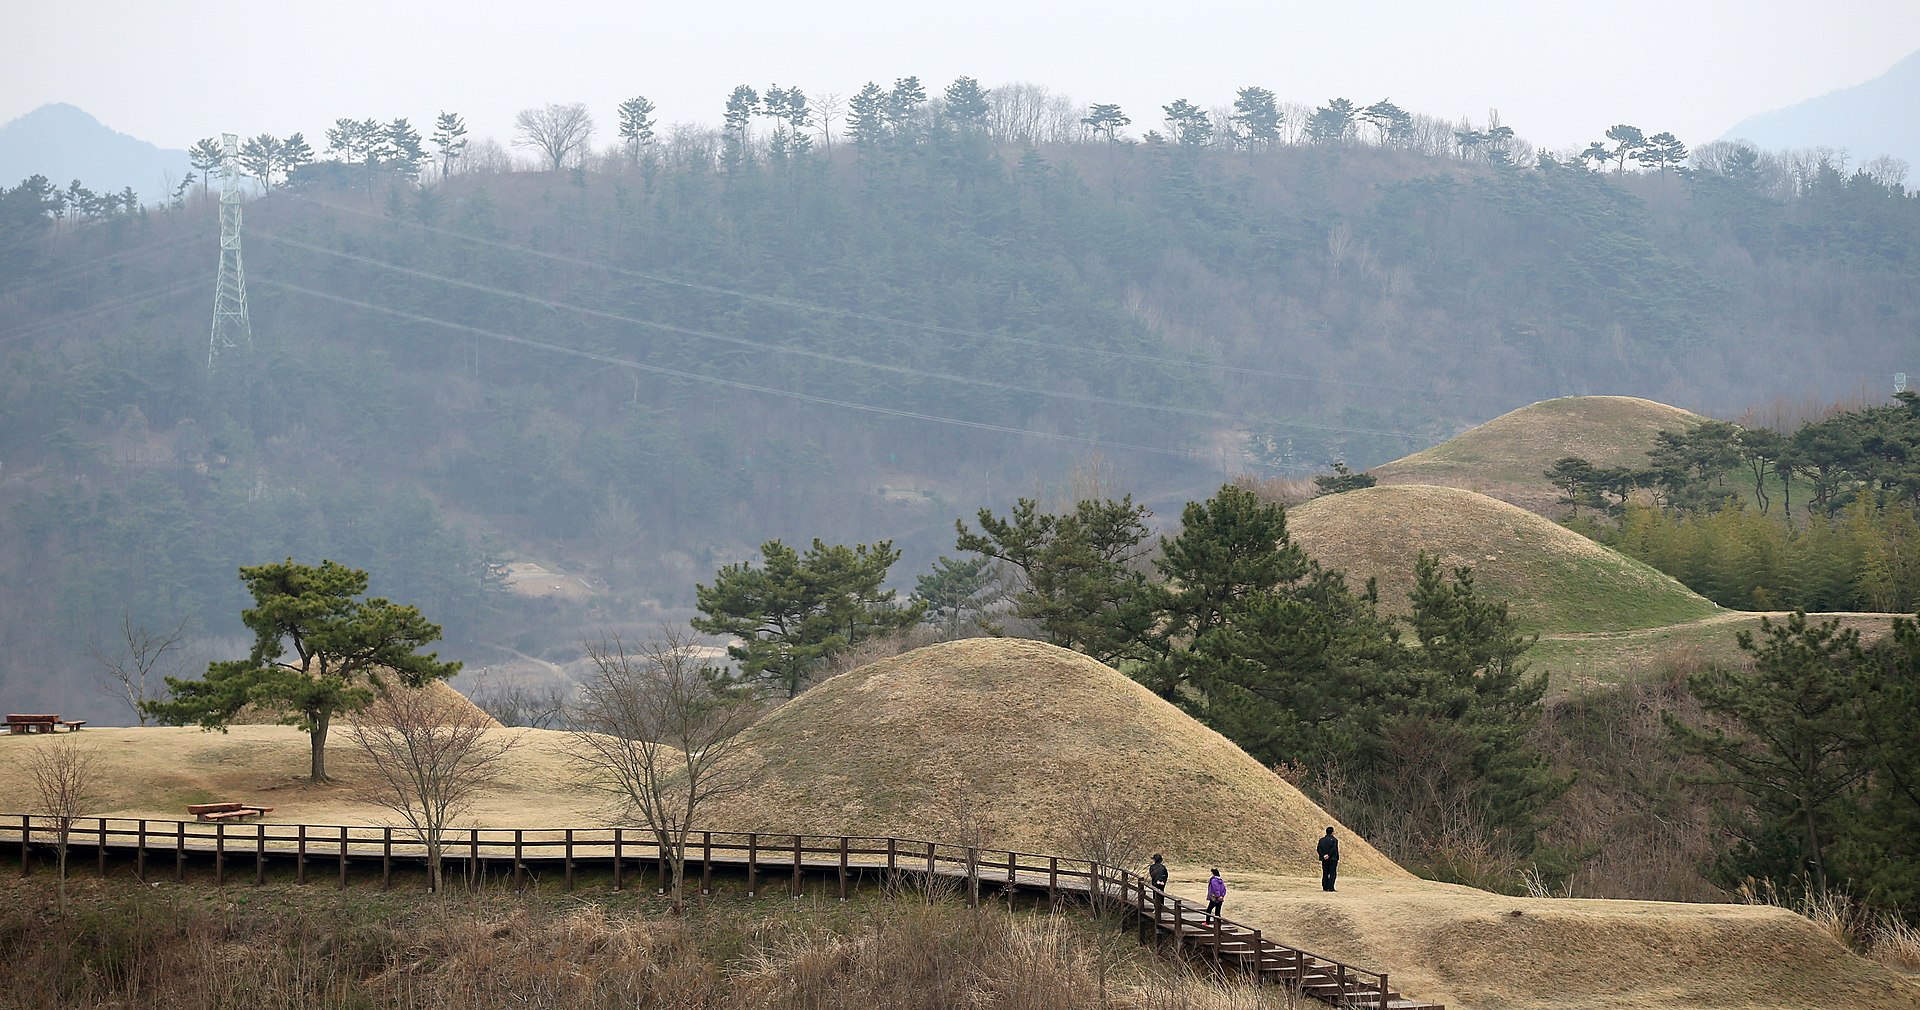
{"type": "Point", "coordinates": [1795, 746]}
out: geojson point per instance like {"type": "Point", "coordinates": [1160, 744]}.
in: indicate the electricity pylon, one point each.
{"type": "Point", "coordinates": [231, 327]}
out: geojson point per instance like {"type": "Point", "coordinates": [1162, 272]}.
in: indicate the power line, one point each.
{"type": "Point", "coordinates": [792, 303]}
{"type": "Point", "coordinates": [608, 359]}
{"type": "Point", "coordinates": [124, 301]}
{"type": "Point", "coordinates": [824, 356]}
{"type": "Point", "coordinates": [95, 265]}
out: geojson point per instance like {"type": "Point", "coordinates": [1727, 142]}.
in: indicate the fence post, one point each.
{"type": "Point", "coordinates": [343, 856]}
{"type": "Point", "coordinates": [660, 863]}
{"type": "Point", "coordinates": [1383, 991]}
{"type": "Point", "coordinates": [933, 868]}
{"type": "Point", "coordinates": [706, 862]}
{"type": "Point", "coordinates": [219, 853]}
{"type": "Point", "coordinates": [519, 847]}
{"type": "Point", "coordinates": [796, 866]}
{"type": "Point", "coordinates": [386, 860]}
{"type": "Point", "coordinates": [179, 851]}
{"type": "Point", "coordinates": [300, 875]}
{"type": "Point", "coordinates": [1137, 901]}
{"type": "Point", "coordinates": [103, 848]}
{"type": "Point", "coordinates": [259, 853]}
{"type": "Point", "coordinates": [140, 857]}
{"type": "Point", "coordinates": [753, 864]}
{"type": "Point", "coordinates": [619, 882]}
{"type": "Point", "coordinates": [1259, 958]}
{"type": "Point", "coordinates": [843, 867]}
{"type": "Point", "coordinates": [26, 828]}
{"type": "Point", "coordinates": [474, 870]}
{"type": "Point", "coordinates": [569, 859]}
{"type": "Point", "coordinates": [1159, 911]}
{"type": "Point", "coordinates": [1053, 881]}
{"type": "Point", "coordinates": [893, 867]}
{"type": "Point", "coordinates": [1340, 983]}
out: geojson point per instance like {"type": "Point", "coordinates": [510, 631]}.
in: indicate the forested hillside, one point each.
{"type": "Point", "coordinates": [636, 367]}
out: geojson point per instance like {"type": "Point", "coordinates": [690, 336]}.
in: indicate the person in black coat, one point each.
{"type": "Point", "coordinates": [1329, 860]}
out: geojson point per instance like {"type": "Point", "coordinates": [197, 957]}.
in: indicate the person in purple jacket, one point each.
{"type": "Point", "coordinates": [1216, 894]}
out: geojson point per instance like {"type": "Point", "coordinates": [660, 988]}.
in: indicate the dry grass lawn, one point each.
{"type": "Point", "coordinates": [1554, 579]}
{"type": "Point", "coordinates": [1006, 731]}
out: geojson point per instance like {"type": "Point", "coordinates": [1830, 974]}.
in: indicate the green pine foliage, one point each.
{"type": "Point", "coordinates": [321, 648]}
{"type": "Point", "coordinates": [1253, 638]}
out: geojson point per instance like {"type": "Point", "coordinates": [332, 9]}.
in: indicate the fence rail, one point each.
{"type": "Point", "coordinates": [771, 861]}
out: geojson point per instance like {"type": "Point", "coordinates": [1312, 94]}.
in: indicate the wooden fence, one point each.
{"type": "Point", "coordinates": [772, 862]}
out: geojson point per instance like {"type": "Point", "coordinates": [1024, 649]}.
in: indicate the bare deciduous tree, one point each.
{"type": "Point", "coordinates": [64, 780]}
{"type": "Point", "coordinates": [557, 131]}
{"type": "Point", "coordinates": [430, 754]}
{"type": "Point", "coordinates": [132, 668]}
{"type": "Point", "coordinates": [1105, 827]}
{"type": "Point", "coordinates": [518, 703]}
{"type": "Point", "coordinates": [657, 730]}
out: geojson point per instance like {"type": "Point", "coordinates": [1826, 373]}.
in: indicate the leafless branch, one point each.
{"type": "Point", "coordinates": [430, 755]}
{"type": "Point", "coordinates": [64, 780]}
{"type": "Point", "coordinates": [656, 730]}
{"type": "Point", "coordinates": [133, 667]}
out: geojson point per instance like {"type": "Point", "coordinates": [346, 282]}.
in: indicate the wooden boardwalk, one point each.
{"type": "Point", "coordinates": [771, 863]}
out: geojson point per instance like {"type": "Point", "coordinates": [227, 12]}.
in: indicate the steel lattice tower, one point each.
{"type": "Point", "coordinates": [231, 327]}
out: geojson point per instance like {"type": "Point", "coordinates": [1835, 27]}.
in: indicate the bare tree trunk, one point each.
{"type": "Point", "coordinates": [318, 738]}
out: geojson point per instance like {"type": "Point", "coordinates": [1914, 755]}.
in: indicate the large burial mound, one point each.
{"type": "Point", "coordinates": [1554, 579]}
{"type": "Point", "coordinates": [1508, 456]}
{"type": "Point", "coordinates": [1008, 732]}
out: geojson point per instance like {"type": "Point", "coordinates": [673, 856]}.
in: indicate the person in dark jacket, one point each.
{"type": "Point", "coordinates": [1329, 860]}
{"type": "Point", "coordinates": [1157, 873]}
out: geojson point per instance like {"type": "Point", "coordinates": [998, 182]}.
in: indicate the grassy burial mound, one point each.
{"type": "Point", "coordinates": [1555, 580]}
{"type": "Point", "coordinates": [1007, 734]}
{"type": "Point", "coordinates": [1471, 949]}
{"type": "Point", "coordinates": [1507, 457]}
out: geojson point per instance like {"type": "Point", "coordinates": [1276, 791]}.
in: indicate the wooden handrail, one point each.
{"type": "Point", "coordinates": [755, 849]}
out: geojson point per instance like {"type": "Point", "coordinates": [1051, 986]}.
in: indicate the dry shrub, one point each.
{"type": "Point", "coordinates": [281, 949]}
{"type": "Point", "coordinates": [1287, 491]}
{"type": "Point", "coordinates": [1895, 942]}
{"type": "Point", "coordinates": [873, 650]}
{"type": "Point", "coordinates": [1637, 814]}
{"type": "Point", "coordinates": [1849, 922]}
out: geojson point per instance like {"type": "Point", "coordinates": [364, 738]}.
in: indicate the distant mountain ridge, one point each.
{"type": "Point", "coordinates": [64, 143]}
{"type": "Point", "coordinates": [1880, 116]}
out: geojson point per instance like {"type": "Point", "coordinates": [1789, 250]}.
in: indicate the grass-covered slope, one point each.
{"type": "Point", "coordinates": [1579, 659]}
{"type": "Point", "coordinates": [1554, 579]}
{"type": "Point", "coordinates": [1507, 457]}
{"type": "Point", "coordinates": [1007, 732]}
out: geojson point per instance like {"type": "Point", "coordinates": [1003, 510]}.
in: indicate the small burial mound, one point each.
{"type": "Point", "coordinates": [1507, 457]}
{"type": "Point", "coordinates": [1471, 949]}
{"type": "Point", "coordinates": [1008, 734]}
{"type": "Point", "coordinates": [1554, 580]}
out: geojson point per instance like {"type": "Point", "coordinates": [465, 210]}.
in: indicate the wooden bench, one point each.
{"type": "Point", "coordinates": [19, 722]}
{"type": "Point", "coordinates": [73, 725]}
{"type": "Point", "coordinates": [226, 811]}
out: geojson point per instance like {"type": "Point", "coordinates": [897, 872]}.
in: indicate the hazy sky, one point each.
{"type": "Point", "coordinates": [1559, 72]}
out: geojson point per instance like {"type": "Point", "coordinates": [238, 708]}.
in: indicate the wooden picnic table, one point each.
{"type": "Point", "coordinates": [24, 722]}
{"type": "Point", "coordinates": [227, 811]}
